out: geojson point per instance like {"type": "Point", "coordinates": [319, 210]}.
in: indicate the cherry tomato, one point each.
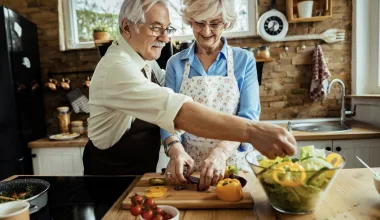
{"type": "Point", "coordinates": [135, 210]}
{"type": "Point", "coordinates": [157, 210]}
{"type": "Point", "coordinates": [137, 199]}
{"type": "Point", "coordinates": [167, 216]}
{"type": "Point", "coordinates": [147, 214]}
{"type": "Point", "coordinates": [158, 217]}
{"type": "Point", "coordinates": [149, 202]}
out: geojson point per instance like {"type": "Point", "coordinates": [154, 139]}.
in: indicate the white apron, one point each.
{"type": "Point", "coordinates": [220, 93]}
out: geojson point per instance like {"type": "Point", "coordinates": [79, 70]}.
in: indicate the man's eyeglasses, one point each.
{"type": "Point", "coordinates": [158, 31]}
{"type": "Point", "coordinates": [213, 26]}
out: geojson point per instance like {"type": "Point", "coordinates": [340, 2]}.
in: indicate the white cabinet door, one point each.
{"type": "Point", "coordinates": [57, 161]}
{"type": "Point", "coordinates": [320, 144]}
{"type": "Point", "coordinates": [367, 149]}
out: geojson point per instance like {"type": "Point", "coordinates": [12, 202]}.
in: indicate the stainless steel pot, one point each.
{"type": "Point", "coordinates": [40, 197]}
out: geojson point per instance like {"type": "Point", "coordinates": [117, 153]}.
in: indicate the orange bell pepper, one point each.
{"type": "Point", "coordinates": [229, 190]}
{"type": "Point", "coordinates": [289, 180]}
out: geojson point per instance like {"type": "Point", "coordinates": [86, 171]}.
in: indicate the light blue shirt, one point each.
{"type": "Point", "coordinates": [244, 70]}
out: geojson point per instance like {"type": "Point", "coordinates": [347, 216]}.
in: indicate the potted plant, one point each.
{"type": "Point", "coordinates": [100, 33]}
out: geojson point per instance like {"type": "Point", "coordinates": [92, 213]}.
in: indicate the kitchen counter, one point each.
{"type": "Point", "coordinates": [360, 130]}
{"type": "Point", "coordinates": [352, 196]}
{"type": "Point", "coordinates": [80, 141]}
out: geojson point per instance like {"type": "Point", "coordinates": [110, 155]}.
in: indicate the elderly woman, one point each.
{"type": "Point", "coordinates": [218, 76]}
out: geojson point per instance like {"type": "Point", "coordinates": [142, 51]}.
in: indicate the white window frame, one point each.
{"type": "Point", "coordinates": [252, 29]}
{"type": "Point", "coordinates": [375, 39]}
{"type": "Point", "coordinates": [69, 35]}
{"type": "Point", "coordinates": [366, 47]}
{"type": "Point", "coordinates": [68, 39]}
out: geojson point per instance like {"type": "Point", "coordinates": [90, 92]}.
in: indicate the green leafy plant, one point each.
{"type": "Point", "coordinates": [100, 29]}
{"type": "Point", "coordinates": [88, 21]}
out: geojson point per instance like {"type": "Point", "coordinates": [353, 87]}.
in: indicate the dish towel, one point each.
{"type": "Point", "coordinates": [321, 74]}
{"type": "Point", "coordinates": [78, 101]}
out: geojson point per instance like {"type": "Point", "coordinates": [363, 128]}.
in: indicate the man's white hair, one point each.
{"type": "Point", "coordinates": [134, 10]}
{"type": "Point", "coordinates": [203, 9]}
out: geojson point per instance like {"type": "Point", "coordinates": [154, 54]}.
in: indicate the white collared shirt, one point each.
{"type": "Point", "coordinates": [119, 93]}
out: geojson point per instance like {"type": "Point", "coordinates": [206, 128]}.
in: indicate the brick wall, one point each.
{"type": "Point", "coordinates": [285, 85]}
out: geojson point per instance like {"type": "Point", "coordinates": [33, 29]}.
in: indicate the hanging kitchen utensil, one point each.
{"type": "Point", "coordinates": [273, 25]}
{"type": "Point", "coordinates": [52, 84]}
{"type": "Point", "coordinates": [86, 83]}
{"type": "Point", "coordinates": [329, 36]}
{"type": "Point", "coordinates": [65, 84]}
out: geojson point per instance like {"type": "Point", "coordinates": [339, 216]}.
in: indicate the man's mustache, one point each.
{"type": "Point", "coordinates": [158, 44]}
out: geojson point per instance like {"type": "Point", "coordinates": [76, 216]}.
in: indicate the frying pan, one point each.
{"type": "Point", "coordinates": [40, 197]}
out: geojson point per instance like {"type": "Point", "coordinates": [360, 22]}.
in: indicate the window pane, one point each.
{"type": "Point", "coordinates": [241, 7]}
{"type": "Point", "coordinates": [96, 13]}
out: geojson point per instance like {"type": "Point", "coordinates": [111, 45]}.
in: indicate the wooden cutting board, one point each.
{"type": "Point", "coordinates": [189, 198]}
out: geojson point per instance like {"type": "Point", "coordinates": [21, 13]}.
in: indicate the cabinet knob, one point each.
{"type": "Point", "coordinates": [338, 149]}
{"type": "Point", "coordinates": [328, 148]}
{"type": "Point", "coordinates": [34, 155]}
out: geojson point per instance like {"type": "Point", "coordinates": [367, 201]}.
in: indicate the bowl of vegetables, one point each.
{"type": "Point", "coordinates": [296, 185]}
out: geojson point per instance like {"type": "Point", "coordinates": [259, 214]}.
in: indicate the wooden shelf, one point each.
{"type": "Point", "coordinates": [312, 19]}
{"type": "Point", "coordinates": [370, 96]}
{"type": "Point", "coordinates": [102, 42]}
{"type": "Point", "coordinates": [270, 59]}
{"type": "Point", "coordinates": [323, 7]}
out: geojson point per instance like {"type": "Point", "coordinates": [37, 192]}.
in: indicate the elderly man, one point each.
{"type": "Point", "coordinates": [128, 104]}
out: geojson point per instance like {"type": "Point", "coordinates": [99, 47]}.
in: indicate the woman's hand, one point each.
{"type": "Point", "coordinates": [178, 159]}
{"type": "Point", "coordinates": [212, 168]}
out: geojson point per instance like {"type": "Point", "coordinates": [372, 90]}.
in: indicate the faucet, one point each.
{"type": "Point", "coordinates": [343, 111]}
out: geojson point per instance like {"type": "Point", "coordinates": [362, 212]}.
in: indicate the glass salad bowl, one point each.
{"type": "Point", "coordinates": [296, 185]}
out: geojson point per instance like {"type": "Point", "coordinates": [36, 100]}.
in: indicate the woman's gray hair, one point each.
{"type": "Point", "coordinates": [134, 11]}
{"type": "Point", "coordinates": [203, 9]}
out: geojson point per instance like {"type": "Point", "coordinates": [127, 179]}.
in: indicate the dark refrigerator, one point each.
{"type": "Point", "coordinates": [22, 116]}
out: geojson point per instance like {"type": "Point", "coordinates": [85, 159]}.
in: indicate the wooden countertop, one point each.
{"type": "Point", "coordinates": [352, 196]}
{"type": "Point", "coordinates": [80, 141]}
{"type": "Point", "coordinates": [359, 130]}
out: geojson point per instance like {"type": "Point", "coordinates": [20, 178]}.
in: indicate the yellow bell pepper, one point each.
{"type": "Point", "coordinates": [334, 159]}
{"type": "Point", "coordinates": [289, 180]}
{"type": "Point", "coordinates": [229, 190]}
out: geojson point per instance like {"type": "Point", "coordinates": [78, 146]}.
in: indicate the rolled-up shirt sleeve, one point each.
{"type": "Point", "coordinates": [130, 92]}
{"type": "Point", "coordinates": [170, 82]}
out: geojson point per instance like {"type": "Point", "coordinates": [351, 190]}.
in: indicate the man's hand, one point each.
{"type": "Point", "coordinates": [272, 140]}
{"type": "Point", "coordinates": [178, 159]}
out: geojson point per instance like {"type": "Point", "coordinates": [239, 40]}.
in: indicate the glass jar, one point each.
{"type": "Point", "coordinates": [262, 52]}
{"type": "Point", "coordinates": [63, 119]}
{"type": "Point", "coordinates": [77, 127]}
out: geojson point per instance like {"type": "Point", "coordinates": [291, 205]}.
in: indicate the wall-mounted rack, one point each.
{"type": "Point", "coordinates": [87, 72]}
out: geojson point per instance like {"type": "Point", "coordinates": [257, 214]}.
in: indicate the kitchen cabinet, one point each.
{"type": "Point", "coordinates": [367, 149]}
{"type": "Point", "coordinates": [65, 161]}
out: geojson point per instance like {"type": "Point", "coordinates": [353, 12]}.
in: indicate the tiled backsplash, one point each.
{"type": "Point", "coordinates": [285, 86]}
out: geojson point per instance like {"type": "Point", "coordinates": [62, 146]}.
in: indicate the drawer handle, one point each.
{"type": "Point", "coordinates": [34, 155]}
{"type": "Point", "coordinates": [328, 148]}
{"type": "Point", "coordinates": [338, 149]}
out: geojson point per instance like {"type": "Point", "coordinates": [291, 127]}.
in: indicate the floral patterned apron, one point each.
{"type": "Point", "coordinates": [220, 93]}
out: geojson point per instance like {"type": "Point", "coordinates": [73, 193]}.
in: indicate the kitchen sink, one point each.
{"type": "Point", "coordinates": [319, 127]}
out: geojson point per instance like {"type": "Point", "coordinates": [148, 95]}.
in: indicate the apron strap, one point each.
{"type": "Point", "coordinates": [230, 63]}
